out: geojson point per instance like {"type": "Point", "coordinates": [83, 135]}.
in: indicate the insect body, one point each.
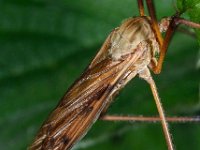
{"type": "Point", "coordinates": [128, 51]}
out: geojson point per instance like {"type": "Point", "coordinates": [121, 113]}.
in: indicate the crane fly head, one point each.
{"type": "Point", "coordinates": [164, 24]}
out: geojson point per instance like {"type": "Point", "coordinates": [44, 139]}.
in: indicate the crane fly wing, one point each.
{"type": "Point", "coordinates": [79, 108]}
{"type": "Point", "coordinates": [84, 101]}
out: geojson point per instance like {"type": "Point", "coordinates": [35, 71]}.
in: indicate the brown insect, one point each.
{"type": "Point", "coordinates": [128, 51]}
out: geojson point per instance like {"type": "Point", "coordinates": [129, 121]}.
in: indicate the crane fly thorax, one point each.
{"type": "Point", "coordinates": [133, 33]}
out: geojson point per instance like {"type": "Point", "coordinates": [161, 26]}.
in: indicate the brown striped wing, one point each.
{"type": "Point", "coordinates": [79, 108]}
{"type": "Point", "coordinates": [83, 103]}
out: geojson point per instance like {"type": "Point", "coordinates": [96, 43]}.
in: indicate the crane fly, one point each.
{"type": "Point", "coordinates": [129, 50]}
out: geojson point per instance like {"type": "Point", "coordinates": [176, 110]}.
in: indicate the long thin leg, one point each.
{"type": "Point", "coordinates": [176, 20]}
{"type": "Point", "coordinates": [179, 20]}
{"type": "Point", "coordinates": [149, 119]}
{"type": "Point", "coordinates": [154, 22]}
{"type": "Point", "coordinates": [145, 74]}
{"type": "Point", "coordinates": [141, 7]}
{"type": "Point", "coordinates": [164, 46]}
{"type": "Point", "coordinates": [163, 43]}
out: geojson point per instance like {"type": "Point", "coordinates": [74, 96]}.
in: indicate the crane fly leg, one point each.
{"type": "Point", "coordinates": [149, 119]}
{"type": "Point", "coordinates": [175, 21]}
{"type": "Point", "coordinates": [154, 22]}
{"type": "Point", "coordinates": [145, 74]}
{"type": "Point", "coordinates": [141, 7]}
{"type": "Point", "coordinates": [163, 42]}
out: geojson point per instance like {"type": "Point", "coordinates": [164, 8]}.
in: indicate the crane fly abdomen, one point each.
{"type": "Point", "coordinates": [127, 51]}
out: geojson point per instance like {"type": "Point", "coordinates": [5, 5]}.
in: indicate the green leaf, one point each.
{"type": "Point", "coordinates": [192, 8]}
{"type": "Point", "coordinates": [45, 46]}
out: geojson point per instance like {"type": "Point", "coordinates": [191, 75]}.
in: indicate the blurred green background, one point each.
{"type": "Point", "coordinates": [45, 45]}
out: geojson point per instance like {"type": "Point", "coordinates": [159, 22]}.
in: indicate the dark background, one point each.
{"type": "Point", "coordinates": [45, 45]}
